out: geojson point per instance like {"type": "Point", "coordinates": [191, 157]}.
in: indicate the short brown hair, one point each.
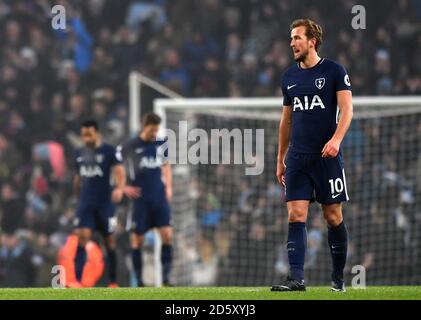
{"type": "Point", "coordinates": [313, 30]}
{"type": "Point", "coordinates": [151, 118]}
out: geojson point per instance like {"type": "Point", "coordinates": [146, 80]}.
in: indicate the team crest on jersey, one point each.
{"type": "Point", "coordinates": [346, 80]}
{"type": "Point", "coordinates": [320, 82]}
{"type": "Point", "coordinates": [99, 158]}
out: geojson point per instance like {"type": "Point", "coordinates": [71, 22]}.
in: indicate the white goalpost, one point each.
{"type": "Point", "coordinates": [230, 228]}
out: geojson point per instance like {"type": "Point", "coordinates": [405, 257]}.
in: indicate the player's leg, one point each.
{"type": "Point", "coordinates": [108, 225]}
{"type": "Point", "coordinates": [140, 225]}
{"type": "Point", "coordinates": [162, 220]}
{"type": "Point", "coordinates": [110, 247]}
{"type": "Point", "coordinates": [330, 182]}
{"type": "Point", "coordinates": [83, 235]}
{"type": "Point", "coordinates": [166, 234]}
{"type": "Point", "coordinates": [338, 243]}
{"type": "Point", "coordinates": [84, 224]}
{"type": "Point", "coordinates": [297, 237]}
{"type": "Point", "coordinates": [136, 243]}
{"type": "Point", "coordinates": [298, 194]}
{"type": "Point", "coordinates": [296, 246]}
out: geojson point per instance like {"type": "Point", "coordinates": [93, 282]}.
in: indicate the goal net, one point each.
{"type": "Point", "coordinates": [231, 227]}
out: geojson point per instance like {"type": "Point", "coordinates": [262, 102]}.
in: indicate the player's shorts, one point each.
{"type": "Point", "coordinates": [311, 177]}
{"type": "Point", "coordinates": [150, 213]}
{"type": "Point", "coordinates": [96, 217]}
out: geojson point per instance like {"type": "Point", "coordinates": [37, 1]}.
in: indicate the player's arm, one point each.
{"type": "Point", "coordinates": [284, 138]}
{"type": "Point", "coordinates": [131, 192]}
{"type": "Point", "coordinates": [119, 178]}
{"type": "Point", "coordinates": [76, 177]}
{"type": "Point", "coordinates": [167, 174]}
{"type": "Point", "coordinates": [344, 98]}
{"type": "Point", "coordinates": [76, 185]}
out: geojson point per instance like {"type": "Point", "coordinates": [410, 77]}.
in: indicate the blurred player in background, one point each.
{"type": "Point", "coordinates": [149, 171]}
{"type": "Point", "coordinates": [315, 90]}
{"type": "Point", "coordinates": [96, 164]}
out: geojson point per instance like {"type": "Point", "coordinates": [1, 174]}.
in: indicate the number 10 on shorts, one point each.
{"type": "Point", "coordinates": [336, 187]}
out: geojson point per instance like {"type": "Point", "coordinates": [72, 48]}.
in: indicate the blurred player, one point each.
{"type": "Point", "coordinates": [151, 173]}
{"type": "Point", "coordinates": [315, 90]}
{"type": "Point", "coordinates": [96, 163]}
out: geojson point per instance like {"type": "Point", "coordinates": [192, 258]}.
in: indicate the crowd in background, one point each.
{"type": "Point", "coordinates": [243, 219]}
{"type": "Point", "coordinates": [51, 80]}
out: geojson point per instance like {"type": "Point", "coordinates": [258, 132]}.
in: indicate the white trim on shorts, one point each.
{"type": "Point", "coordinates": [346, 191]}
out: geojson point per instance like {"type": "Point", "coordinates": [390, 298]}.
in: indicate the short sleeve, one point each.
{"type": "Point", "coordinates": [117, 155]}
{"type": "Point", "coordinates": [287, 98]}
{"type": "Point", "coordinates": [341, 79]}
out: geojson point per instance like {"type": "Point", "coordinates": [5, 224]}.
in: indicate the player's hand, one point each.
{"type": "Point", "coordinates": [168, 194]}
{"type": "Point", "coordinates": [280, 172]}
{"type": "Point", "coordinates": [331, 148]}
{"type": "Point", "coordinates": [117, 195]}
{"type": "Point", "coordinates": [132, 192]}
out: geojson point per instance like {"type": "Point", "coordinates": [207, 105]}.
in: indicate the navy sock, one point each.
{"type": "Point", "coordinates": [112, 264]}
{"type": "Point", "coordinates": [137, 259]}
{"type": "Point", "coordinates": [296, 246]}
{"type": "Point", "coordinates": [80, 260]}
{"type": "Point", "coordinates": [166, 260]}
{"type": "Point", "coordinates": [338, 244]}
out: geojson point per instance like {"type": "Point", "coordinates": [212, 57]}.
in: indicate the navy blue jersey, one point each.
{"type": "Point", "coordinates": [94, 167]}
{"type": "Point", "coordinates": [144, 161]}
{"type": "Point", "coordinates": [312, 95]}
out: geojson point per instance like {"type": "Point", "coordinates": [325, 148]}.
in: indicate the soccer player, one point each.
{"type": "Point", "coordinates": [310, 165]}
{"type": "Point", "coordinates": [96, 163]}
{"type": "Point", "coordinates": [145, 156]}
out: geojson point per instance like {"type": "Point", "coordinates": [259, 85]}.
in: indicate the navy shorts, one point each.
{"type": "Point", "coordinates": [96, 217]}
{"type": "Point", "coordinates": [150, 213]}
{"type": "Point", "coordinates": [311, 177]}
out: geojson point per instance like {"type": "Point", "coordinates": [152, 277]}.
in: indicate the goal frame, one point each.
{"type": "Point", "coordinates": [161, 105]}
{"type": "Point", "coordinates": [365, 106]}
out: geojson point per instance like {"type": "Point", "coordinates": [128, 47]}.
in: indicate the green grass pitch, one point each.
{"type": "Point", "coordinates": [212, 293]}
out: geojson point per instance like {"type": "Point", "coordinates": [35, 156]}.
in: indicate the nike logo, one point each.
{"type": "Point", "coordinates": [290, 87]}
{"type": "Point", "coordinates": [336, 195]}
{"type": "Point", "coordinates": [79, 159]}
{"type": "Point", "coordinates": [139, 150]}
